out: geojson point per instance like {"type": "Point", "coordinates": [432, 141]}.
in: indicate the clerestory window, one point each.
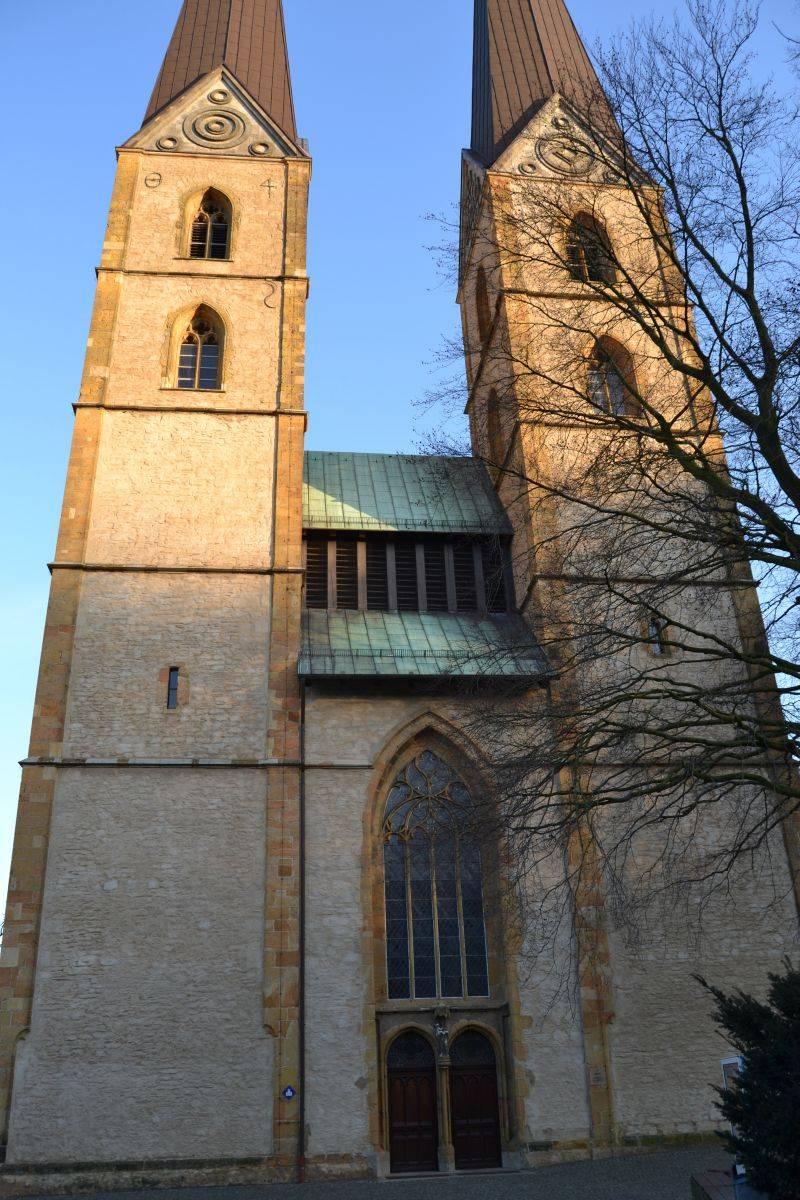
{"type": "Point", "coordinates": [435, 919]}
{"type": "Point", "coordinates": [403, 574]}
{"type": "Point", "coordinates": [211, 227]}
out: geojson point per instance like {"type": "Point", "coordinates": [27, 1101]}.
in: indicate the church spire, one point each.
{"type": "Point", "coordinates": [246, 36]}
{"type": "Point", "coordinates": [525, 52]}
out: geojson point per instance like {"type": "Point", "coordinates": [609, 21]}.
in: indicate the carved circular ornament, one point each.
{"type": "Point", "coordinates": [565, 154]}
{"type": "Point", "coordinates": [167, 143]}
{"type": "Point", "coordinates": [215, 127]}
{"type": "Point", "coordinates": [259, 148]}
{"type": "Point", "coordinates": [219, 96]}
{"type": "Point", "coordinates": [153, 181]}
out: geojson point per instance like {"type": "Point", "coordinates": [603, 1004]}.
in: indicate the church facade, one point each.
{"type": "Point", "coordinates": [248, 935]}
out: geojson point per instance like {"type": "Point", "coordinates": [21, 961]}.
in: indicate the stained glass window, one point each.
{"type": "Point", "coordinates": [435, 926]}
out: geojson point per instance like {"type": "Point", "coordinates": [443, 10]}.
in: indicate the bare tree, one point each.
{"type": "Point", "coordinates": [635, 396]}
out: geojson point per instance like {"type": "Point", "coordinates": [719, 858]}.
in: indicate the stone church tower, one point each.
{"type": "Point", "coordinates": [249, 933]}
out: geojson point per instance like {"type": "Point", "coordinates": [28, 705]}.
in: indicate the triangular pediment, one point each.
{"type": "Point", "coordinates": [216, 115]}
{"type": "Point", "coordinates": [558, 143]}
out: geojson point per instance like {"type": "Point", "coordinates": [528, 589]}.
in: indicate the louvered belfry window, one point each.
{"type": "Point", "coordinates": [435, 921]}
{"type": "Point", "coordinates": [403, 574]}
{"type": "Point", "coordinates": [211, 227]}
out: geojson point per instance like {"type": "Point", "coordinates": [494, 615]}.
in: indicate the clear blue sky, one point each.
{"type": "Point", "coordinates": [382, 94]}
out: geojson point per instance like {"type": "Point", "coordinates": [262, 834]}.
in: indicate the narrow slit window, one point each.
{"type": "Point", "coordinates": [172, 687]}
{"type": "Point", "coordinates": [657, 635]}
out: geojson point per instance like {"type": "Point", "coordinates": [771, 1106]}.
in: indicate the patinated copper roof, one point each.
{"type": "Point", "coordinates": [246, 36]}
{"type": "Point", "coordinates": [525, 52]}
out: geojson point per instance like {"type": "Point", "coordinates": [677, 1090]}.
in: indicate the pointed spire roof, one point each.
{"type": "Point", "coordinates": [525, 52]}
{"type": "Point", "coordinates": [246, 36]}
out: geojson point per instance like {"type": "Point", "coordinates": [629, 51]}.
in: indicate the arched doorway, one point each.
{"type": "Point", "coordinates": [413, 1132]}
{"type": "Point", "coordinates": [474, 1102]}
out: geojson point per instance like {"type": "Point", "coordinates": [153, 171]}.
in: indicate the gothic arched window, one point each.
{"type": "Point", "coordinates": [200, 353]}
{"type": "Point", "coordinates": [589, 251]}
{"type": "Point", "coordinates": [211, 227]}
{"type": "Point", "coordinates": [611, 379]}
{"type": "Point", "coordinates": [435, 929]}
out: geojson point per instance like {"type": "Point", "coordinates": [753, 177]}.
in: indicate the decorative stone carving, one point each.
{"type": "Point", "coordinates": [565, 154]}
{"type": "Point", "coordinates": [219, 96]}
{"type": "Point", "coordinates": [259, 148]}
{"type": "Point", "coordinates": [167, 143]}
{"type": "Point", "coordinates": [152, 181]}
{"type": "Point", "coordinates": [442, 1037]}
{"type": "Point", "coordinates": [220, 127]}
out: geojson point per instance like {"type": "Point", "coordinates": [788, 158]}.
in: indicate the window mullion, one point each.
{"type": "Point", "coordinates": [462, 941]}
{"type": "Point", "coordinates": [422, 591]}
{"type": "Point", "coordinates": [409, 920]}
{"type": "Point", "coordinates": [435, 905]}
{"type": "Point", "coordinates": [331, 574]}
{"type": "Point", "coordinates": [391, 576]}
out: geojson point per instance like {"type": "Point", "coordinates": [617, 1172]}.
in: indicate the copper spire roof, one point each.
{"type": "Point", "coordinates": [246, 36]}
{"type": "Point", "coordinates": [525, 51]}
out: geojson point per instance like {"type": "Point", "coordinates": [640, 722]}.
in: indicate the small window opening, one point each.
{"type": "Point", "coordinates": [210, 236]}
{"type": "Point", "coordinates": [657, 635]}
{"type": "Point", "coordinates": [172, 687]}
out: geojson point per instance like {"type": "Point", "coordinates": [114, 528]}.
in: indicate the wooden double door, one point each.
{"type": "Point", "coordinates": [413, 1104]}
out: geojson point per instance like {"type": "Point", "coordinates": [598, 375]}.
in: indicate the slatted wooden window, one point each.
{"type": "Point", "coordinates": [346, 573]}
{"type": "Point", "coordinates": [317, 573]}
{"type": "Point", "coordinates": [210, 232]}
{"type": "Point", "coordinates": [435, 577]}
{"type": "Point", "coordinates": [377, 576]}
{"type": "Point", "coordinates": [464, 570]}
{"type": "Point", "coordinates": [380, 574]}
{"type": "Point", "coordinates": [406, 569]}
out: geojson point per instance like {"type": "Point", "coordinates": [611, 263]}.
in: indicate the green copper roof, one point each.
{"type": "Point", "coordinates": [392, 644]}
{"type": "Point", "coordinates": [394, 492]}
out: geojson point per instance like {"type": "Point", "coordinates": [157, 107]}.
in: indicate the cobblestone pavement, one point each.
{"type": "Point", "coordinates": [658, 1176]}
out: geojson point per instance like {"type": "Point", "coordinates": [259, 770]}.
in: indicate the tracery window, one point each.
{"type": "Point", "coordinates": [435, 928]}
{"type": "Point", "coordinates": [211, 227]}
{"type": "Point", "coordinates": [589, 251]}
{"type": "Point", "coordinates": [200, 354]}
{"type": "Point", "coordinates": [611, 379]}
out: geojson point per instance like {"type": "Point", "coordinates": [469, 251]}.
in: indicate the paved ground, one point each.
{"type": "Point", "coordinates": [660, 1176]}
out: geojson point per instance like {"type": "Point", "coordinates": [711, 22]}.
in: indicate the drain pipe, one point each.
{"type": "Point", "coordinates": [301, 1000]}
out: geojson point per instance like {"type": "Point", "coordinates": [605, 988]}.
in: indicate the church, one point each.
{"type": "Point", "coordinates": [249, 936]}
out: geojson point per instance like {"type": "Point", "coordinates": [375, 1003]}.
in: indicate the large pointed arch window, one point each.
{"type": "Point", "coordinates": [435, 926]}
{"type": "Point", "coordinates": [200, 352]}
{"type": "Point", "coordinates": [589, 252]}
{"type": "Point", "coordinates": [211, 227]}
